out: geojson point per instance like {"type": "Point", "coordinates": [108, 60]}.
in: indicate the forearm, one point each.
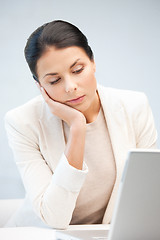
{"type": "Point", "coordinates": [60, 198]}
{"type": "Point", "coordinates": [74, 151]}
{"type": "Point", "coordinates": [56, 204]}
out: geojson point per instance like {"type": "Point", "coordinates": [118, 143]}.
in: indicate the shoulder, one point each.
{"type": "Point", "coordinates": [120, 98]}
{"type": "Point", "coordinates": [26, 113]}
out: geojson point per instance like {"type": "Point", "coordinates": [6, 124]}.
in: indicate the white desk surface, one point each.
{"type": "Point", "coordinates": [35, 233]}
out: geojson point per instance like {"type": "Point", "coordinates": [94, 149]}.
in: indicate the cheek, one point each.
{"type": "Point", "coordinates": [90, 81]}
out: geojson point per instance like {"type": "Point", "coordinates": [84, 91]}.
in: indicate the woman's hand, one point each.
{"type": "Point", "coordinates": [74, 150]}
{"type": "Point", "coordinates": [68, 114]}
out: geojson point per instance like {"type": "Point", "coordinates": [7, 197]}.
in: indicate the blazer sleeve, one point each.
{"type": "Point", "coordinates": [53, 195]}
{"type": "Point", "coordinates": [146, 134]}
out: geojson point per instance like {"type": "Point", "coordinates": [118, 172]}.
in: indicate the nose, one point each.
{"type": "Point", "coordinates": [70, 85]}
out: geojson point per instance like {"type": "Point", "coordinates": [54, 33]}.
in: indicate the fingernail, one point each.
{"type": "Point", "coordinates": [37, 84]}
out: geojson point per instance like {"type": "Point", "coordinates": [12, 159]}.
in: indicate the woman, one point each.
{"type": "Point", "coordinates": [70, 145]}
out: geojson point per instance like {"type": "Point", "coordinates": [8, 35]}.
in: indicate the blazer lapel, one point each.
{"type": "Point", "coordinates": [118, 131]}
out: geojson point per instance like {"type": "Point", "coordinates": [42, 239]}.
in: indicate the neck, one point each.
{"type": "Point", "coordinates": [92, 112]}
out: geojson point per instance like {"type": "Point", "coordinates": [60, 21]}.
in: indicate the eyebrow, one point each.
{"type": "Point", "coordinates": [53, 74]}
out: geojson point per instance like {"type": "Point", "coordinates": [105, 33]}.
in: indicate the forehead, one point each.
{"type": "Point", "coordinates": [58, 60]}
{"type": "Point", "coordinates": [63, 54]}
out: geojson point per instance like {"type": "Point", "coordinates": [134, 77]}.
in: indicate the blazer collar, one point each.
{"type": "Point", "coordinates": [117, 126]}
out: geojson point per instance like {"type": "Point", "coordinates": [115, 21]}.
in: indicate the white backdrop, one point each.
{"type": "Point", "coordinates": [125, 38]}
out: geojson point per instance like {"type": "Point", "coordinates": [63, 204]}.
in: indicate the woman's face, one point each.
{"type": "Point", "coordinates": [68, 76]}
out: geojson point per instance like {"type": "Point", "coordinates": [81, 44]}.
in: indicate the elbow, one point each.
{"type": "Point", "coordinates": [56, 221]}
{"type": "Point", "coordinates": [60, 225]}
{"type": "Point", "coordinates": [55, 215]}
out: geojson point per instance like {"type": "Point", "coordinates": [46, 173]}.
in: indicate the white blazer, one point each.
{"type": "Point", "coordinates": [52, 185]}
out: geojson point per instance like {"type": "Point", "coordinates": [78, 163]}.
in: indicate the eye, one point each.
{"type": "Point", "coordinates": [78, 69]}
{"type": "Point", "coordinates": [55, 81]}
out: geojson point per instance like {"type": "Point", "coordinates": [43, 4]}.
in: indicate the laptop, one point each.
{"type": "Point", "coordinates": [137, 210]}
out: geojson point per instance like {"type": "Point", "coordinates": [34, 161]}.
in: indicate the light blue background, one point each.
{"type": "Point", "coordinates": [125, 38]}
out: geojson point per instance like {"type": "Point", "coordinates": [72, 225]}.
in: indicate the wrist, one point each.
{"type": "Point", "coordinates": [78, 126]}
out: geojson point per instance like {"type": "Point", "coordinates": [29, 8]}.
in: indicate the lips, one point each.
{"type": "Point", "coordinates": [76, 100]}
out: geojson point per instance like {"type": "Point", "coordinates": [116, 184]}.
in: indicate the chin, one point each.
{"type": "Point", "coordinates": [83, 108]}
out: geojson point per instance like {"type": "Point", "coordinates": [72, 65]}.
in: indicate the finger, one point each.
{"type": "Point", "coordinates": [54, 106]}
{"type": "Point", "coordinates": [45, 96]}
{"type": "Point", "coordinates": [43, 92]}
{"type": "Point", "coordinates": [38, 85]}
